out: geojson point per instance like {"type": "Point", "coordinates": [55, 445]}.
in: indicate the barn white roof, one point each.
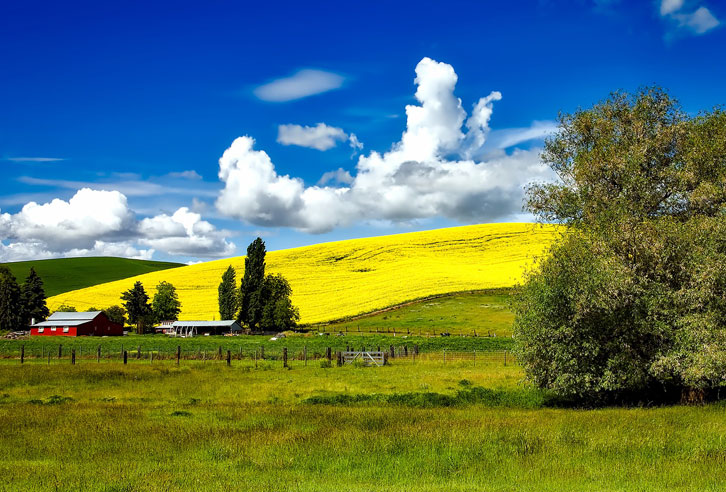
{"type": "Point", "coordinates": [225, 323]}
{"type": "Point", "coordinates": [65, 319]}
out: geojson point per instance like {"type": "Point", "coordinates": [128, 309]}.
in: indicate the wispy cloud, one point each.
{"type": "Point", "coordinates": [128, 188]}
{"type": "Point", "coordinates": [509, 137]}
{"type": "Point", "coordinates": [302, 84]}
{"type": "Point", "coordinates": [320, 136]}
{"type": "Point", "coordinates": [687, 19]}
{"type": "Point", "coordinates": [190, 174]}
{"type": "Point", "coordinates": [34, 159]}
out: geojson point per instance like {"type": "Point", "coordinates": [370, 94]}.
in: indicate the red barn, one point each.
{"type": "Point", "coordinates": [77, 324]}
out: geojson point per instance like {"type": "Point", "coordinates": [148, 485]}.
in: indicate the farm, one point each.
{"type": "Point", "coordinates": [424, 424]}
{"type": "Point", "coordinates": [333, 281]}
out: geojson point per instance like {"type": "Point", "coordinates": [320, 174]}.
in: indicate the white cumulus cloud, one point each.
{"type": "Point", "coordinates": [302, 84]}
{"type": "Point", "coordinates": [100, 223]}
{"type": "Point", "coordinates": [430, 172]}
{"type": "Point", "coordinates": [320, 136]}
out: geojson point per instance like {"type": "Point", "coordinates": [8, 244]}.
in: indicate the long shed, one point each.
{"type": "Point", "coordinates": [91, 323]}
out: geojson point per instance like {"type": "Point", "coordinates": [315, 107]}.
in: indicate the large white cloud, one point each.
{"type": "Point", "coordinates": [100, 223]}
{"type": "Point", "coordinates": [430, 172]}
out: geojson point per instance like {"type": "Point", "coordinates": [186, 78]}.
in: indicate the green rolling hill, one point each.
{"type": "Point", "coordinates": [66, 274]}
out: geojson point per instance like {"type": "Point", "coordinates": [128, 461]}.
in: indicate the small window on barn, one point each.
{"type": "Point", "coordinates": [40, 330]}
{"type": "Point", "coordinates": [52, 329]}
{"type": "Point", "coordinates": [65, 329]}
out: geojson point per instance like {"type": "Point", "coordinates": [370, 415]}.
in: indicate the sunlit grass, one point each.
{"type": "Point", "coordinates": [340, 279]}
{"type": "Point", "coordinates": [207, 427]}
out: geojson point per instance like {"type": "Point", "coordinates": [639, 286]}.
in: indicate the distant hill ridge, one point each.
{"type": "Point", "coordinates": [67, 274]}
{"type": "Point", "coordinates": [346, 278]}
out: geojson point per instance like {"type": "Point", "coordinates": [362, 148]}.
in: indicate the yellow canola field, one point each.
{"type": "Point", "coordinates": [345, 278]}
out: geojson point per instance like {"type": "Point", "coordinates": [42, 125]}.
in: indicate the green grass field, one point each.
{"type": "Point", "coordinates": [416, 426]}
{"type": "Point", "coordinates": [67, 274]}
{"type": "Point", "coordinates": [481, 313]}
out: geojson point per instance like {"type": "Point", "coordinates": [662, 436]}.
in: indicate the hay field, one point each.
{"type": "Point", "coordinates": [345, 278]}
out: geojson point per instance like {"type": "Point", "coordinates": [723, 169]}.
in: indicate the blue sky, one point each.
{"type": "Point", "coordinates": [136, 103]}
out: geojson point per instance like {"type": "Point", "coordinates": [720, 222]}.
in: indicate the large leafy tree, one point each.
{"type": "Point", "coordinates": [227, 294]}
{"type": "Point", "coordinates": [252, 301]}
{"type": "Point", "coordinates": [166, 305]}
{"type": "Point", "coordinates": [117, 314]}
{"type": "Point", "coordinates": [632, 300]}
{"type": "Point", "coordinates": [10, 301]}
{"type": "Point", "coordinates": [278, 312]}
{"type": "Point", "coordinates": [137, 306]}
{"type": "Point", "coordinates": [33, 298]}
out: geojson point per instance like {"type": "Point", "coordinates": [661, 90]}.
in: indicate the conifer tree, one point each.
{"type": "Point", "coordinates": [137, 306]}
{"type": "Point", "coordinates": [33, 299]}
{"type": "Point", "coordinates": [227, 294]}
{"type": "Point", "coordinates": [10, 301]}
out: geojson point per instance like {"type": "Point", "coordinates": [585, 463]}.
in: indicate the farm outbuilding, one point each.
{"type": "Point", "coordinates": [92, 323]}
{"type": "Point", "coordinates": [191, 328]}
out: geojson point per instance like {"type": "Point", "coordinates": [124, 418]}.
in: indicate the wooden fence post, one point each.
{"type": "Point", "coordinates": [305, 354]}
{"type": "Point", "coordinates": [393, 352]}
{"type": "Point", "coordinates": [262, 352]}
{"type": "Point", "coordinates": [126, 357]}
{"type": "Point", "coordinates": [229, 358]}
{"type": "Point", "coordinates": [284, 357]}
{"type": "Point", "coordinates": [405, 350]}
{"type": "Point", "coordinates": [151, 356]}
{"type": "Point", "coordinates": [444, 356]}
{"type": "Point", "coordinates": [474, 357]}
{"type": "Point", "coordinates": [327, 354]}
{"type": "Point", "coordinates": [22, 353]}
{"type": "Point", "coordinates": [60, 351]}
{"type": "Point", "coordinates": [339, 355]}
{"type": "Point", "coordinates": [178, 354]}
{"type": "Point", "coordinates": [505, 357]}
{"type": "Point", "coordinates": [98, 354]}
{"type": "Point", "coordinates": [138, 352]}
{"type": "Point", "coordinates": [73, 356]}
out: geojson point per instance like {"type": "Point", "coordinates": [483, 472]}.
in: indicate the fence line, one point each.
{"type": "Point", "coordinates": [286, 356]}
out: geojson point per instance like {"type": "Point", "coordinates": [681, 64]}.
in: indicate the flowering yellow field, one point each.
{"type": "Point", "coordinates": [345, 278]}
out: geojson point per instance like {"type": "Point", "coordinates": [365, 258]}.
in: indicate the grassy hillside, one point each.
{"type": "Point", "coordinates": [340, 279]}
{"type": "Point", "coordinates": [66, 274]}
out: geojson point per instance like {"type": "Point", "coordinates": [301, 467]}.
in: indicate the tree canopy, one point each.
{"type": "Point", "coordinates": [227, 294]}
{"type": "Point", "coordinates": [632, 300]}
{"type": "Point", "coordinates": [264, 301]}
{"type": "Point", "coordinates": [251, 295]}
{"type": "Point", "coordinates": [166, 305]}
{"type": "Point", "coordinates": [33, 299]}
{"type": "Point", "coordinates": [137, 306]}
{"type": "Point", "coordinates": [10, 312]}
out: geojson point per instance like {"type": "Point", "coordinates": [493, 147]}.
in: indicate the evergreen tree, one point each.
{"type": "Point", "coordinates": [33, 299]}
{"type": "Point", "coordinates": [10, 301]}
{"type": "Point", "coordinates": [166, 305]}
{"type": "Point", "coordinates": [137, 306]}
{"type": "Point", "coordinates": [251, 295]}
{"type": "Point", "coordinates": [227, 294]}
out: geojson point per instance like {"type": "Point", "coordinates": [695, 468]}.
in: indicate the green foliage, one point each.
{"type": "Point", "coordinates": [278, 312]}
{"type": "Point", "coordinates": [251, 294]}
{"type": "Point", "coordinates": [166, 305]}
{"type": "Point", "coordinates": [632, 300]}
{"type": "Point", "coordinates": [66, 274]}
{"type": "Point", "coordinates": [33, 299]}
{"type": "Point", "coordinates": [117, 314]}
{"type": "Point", "coordinates": [65, 308]}
{"type": "Point", "coordinates": [227, 294]}
{"type": "Point", "coordinates": [137, 306]}
{"type": "Point", "coordinates": [264, 300]}
{"type": "Point", "coordinates": [10, 301]}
